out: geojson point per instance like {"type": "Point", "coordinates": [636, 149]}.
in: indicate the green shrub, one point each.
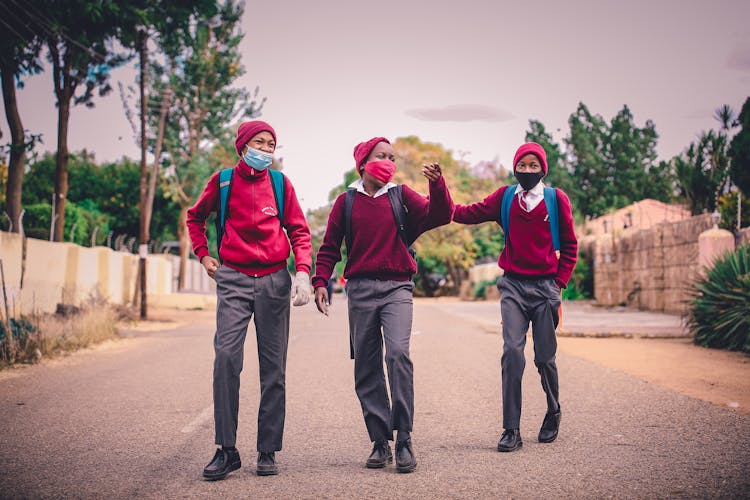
{"type": "Point", "coordinates": [718, 309]}
{"type": "Point", "coordinates": [80, 222]}
{"type": "Point", "coordinates": [480, 289]}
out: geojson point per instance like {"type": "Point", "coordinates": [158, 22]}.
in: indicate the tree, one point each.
{"type": "Point", "coordinates": [739, 152]}
{"type": "Point", "coordinates": [204, 107]}
{"type": "Point", "coordinates": [613, 164]}
{"type": "Point", "coordinates": [702, 171]}
{"type": "Point", "coordinates": [79, 35]}
{"type": "Point", "coordinates": [20, 46]}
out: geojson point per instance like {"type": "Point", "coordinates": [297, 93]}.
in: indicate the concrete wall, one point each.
{"type": "Point", "coordinates": [650, 268]}
{"type": "Point", "coordinates": [65, 273]}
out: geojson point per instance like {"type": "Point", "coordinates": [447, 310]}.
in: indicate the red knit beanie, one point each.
{"type": "Point", "coordinates": [363, 149]}
{"type": "Point", "coordinates": [248, 130]}
{"type": "Point", "coordinates": [534, 149]}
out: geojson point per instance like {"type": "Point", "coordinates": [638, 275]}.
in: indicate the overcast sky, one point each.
{"type": "Point", "coordinates": [467, 74]}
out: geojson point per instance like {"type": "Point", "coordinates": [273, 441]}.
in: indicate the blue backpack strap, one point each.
{"type": "Point", "coordinates": [348, 202]}
{"type": "Point", "coordinates": [508, 195]}
{"type": "Point", "coordinates": [550, 200]}
{"type": "Point", "coordinates": [277, 181]}
{"type": "Point", "coordinates": [225, 184]}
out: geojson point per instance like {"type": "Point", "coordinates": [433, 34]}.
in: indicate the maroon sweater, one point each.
{"type": "Point", "coordinates": [254, 239]}
{"type": "Point", "coordinates": [378, 252]}
{"type": "Point", "coordinates": [528, 250]}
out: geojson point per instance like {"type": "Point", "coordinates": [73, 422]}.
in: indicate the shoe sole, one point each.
{"type": "Point", "coordinates": [406, 469]}
{"type": "Point", "coordinates": [267, 472]}
{"type": "Point", "coordinates": [508, 450]}
{"type": "Point", "coordinates": [548, 440]}
{"type": "Point", "coordinates": [378, 465]}
{"type": "Point", "coordinates": [217, 477]}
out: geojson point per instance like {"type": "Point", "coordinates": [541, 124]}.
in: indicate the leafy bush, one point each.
{"type": "Point", "coordinates": [718, 312]}
{"type": "Point", "coordinates": [480, 289]}
{"type": "Point", "coordinates": [80, 222]}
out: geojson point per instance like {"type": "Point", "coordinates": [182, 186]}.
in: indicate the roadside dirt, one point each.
{"type": "Point", "coordinates": [719, 377]}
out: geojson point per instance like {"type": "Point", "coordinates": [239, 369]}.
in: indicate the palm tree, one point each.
{"type": "Point", "coordinates": [726, 116]}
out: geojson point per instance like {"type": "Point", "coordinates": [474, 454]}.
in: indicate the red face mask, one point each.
{"type": "Point", "coordinates": [382, 170]}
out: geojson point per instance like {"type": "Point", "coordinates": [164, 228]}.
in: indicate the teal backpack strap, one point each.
{"type": "Point", "coordinates": [277, 181]}
{"type": "Point", "coordinates": [508, 195]}
{"type": "Point", "coordinates": [225, 185]}
{"type": "Point", "coordinates": [550, 200]}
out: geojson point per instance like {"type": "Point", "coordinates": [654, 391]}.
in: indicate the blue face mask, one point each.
{"type": "Point", "coordinates": [259, 160]}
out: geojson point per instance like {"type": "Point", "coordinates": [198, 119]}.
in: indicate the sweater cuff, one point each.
{"type": "Point", "coordinates": [318, 282]}
{"type": "Point", "coordinates": [201, 252]}
{"type": "Point", "coordinates": [560, 284]}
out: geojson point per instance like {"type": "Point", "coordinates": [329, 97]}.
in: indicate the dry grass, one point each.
{"type": "Point", "coordinates": [53, 333]}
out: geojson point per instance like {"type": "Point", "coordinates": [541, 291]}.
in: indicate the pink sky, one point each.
{"type": "Point", "coordinates": [468, 75]}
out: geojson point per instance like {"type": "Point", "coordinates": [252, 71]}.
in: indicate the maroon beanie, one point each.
{"type": "Point", "coordinates": [363, 149]}
{"type": "Point", "coordinates": [248, 130]}
{"type": "Point", "coordinates": [534, 149]}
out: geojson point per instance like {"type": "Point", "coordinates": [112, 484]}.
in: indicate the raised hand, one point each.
{"type": "Point", "coordinates": [432, 171]}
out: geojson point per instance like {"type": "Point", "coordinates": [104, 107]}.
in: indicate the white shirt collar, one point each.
{"type": "Point", "coordinates": [360, 187]}
{"type": "Point", "coordinates": [537, 190]}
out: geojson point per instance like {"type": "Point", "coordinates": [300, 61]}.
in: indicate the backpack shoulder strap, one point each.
{"type": "Point", "coordinates": [348, 202]}
{"type": "Point", "coordinates": [396, 197]}
{"type": "Point", "coordinates": [225, 187]}
{"type": "Point", "coordinates": [508, 195]}
{"type": "Point", "coordinates": [277, 181]}
{"type": "Point", "coordinates": [225, 184]}
{"type": "Point", "coordinates": [550, 200]}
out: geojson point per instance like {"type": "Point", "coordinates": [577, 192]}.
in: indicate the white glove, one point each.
{"type": "Point", "coordinates": [301, 289]}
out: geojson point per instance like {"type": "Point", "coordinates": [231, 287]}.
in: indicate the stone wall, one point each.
{"type": "Point", "coordinates": [647, 268]}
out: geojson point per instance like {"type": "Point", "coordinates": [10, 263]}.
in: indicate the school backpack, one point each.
{"type": "Point", "coordinates": [550, 200]}
{"type": "Point", "coordinates": [396, 197]}
{"type": "Point", "coordinates": [225, 188]}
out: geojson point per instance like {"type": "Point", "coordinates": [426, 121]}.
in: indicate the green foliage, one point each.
{"type": "Point", "coordinates": [739, 152]}
{"type": "Point", "coordinates": [718, 310]}
{"type": "Point", "coordinates": [480, 289]}
{"type": "Point", "coordinates": [702, 171]}
{"type": "Point", "coordinates": [613, 164]}
{"type": "Point", "coordinates": [80, 224]}
{"type": "Point", "coordinates": [581, 284]}
{"type": "Point", "coordinates": [728, 210]}
{"type": "Point", "coordinates": [23, 334]}
{"type": "Point", "coordinates": [108, 188]}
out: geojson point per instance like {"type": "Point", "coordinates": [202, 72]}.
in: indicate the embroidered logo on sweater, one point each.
{"type": "Point", "coordinates": [269, 210]}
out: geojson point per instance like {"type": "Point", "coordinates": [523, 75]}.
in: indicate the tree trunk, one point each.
{"type": "Point", "coordinates": [61, 168]}
{"type": "Point", "coordinates": [184, 239]}
{"type": "Point", "coordinates": [17, 149]}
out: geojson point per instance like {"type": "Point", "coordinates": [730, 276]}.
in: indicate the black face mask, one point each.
{"type": "Point", "coordinates": [528, 180]}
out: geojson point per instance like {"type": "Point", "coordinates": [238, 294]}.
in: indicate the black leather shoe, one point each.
{"type": "Point", "coordinates": [510, 441]}
{"type": "Point", "coordinates": [551, 424]}
{"type": "Point", "coordinates": [267, 464]}
{"type": "Point", "coordinates": [224, 462]}
{"type": "Point", "coordinates": [405, 460]}
{"type": "Point", "coordinates": [380, 456]}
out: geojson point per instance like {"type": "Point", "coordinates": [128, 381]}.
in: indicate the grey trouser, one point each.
{"type": "Point", "coordinates": [523, 301]}
{"type": "Point", "coordinates": [388, 305]}
{"type": "Point", "coordinates": [239, 296]}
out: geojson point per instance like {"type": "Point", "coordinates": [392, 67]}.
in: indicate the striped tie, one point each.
{"type": "Point", "coordinates": [522, 200]}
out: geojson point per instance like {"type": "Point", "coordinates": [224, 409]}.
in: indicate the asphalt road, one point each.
{"type": "Point", "coordinates": [134, 419]}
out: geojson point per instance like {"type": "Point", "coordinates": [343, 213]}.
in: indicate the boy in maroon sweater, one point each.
{"type": "Point", "coordinates": [530, 287]}
{"type": "Point", "coordinates": [379, 290]}
{"type": "Point", "coordinates": [252, 280]}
